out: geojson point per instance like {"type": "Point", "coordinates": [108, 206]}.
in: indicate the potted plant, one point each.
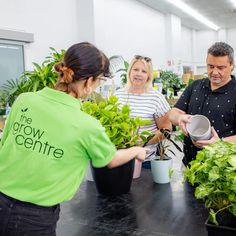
{"type": "Point", "coordinates": [123, 131]}
{"type": "Point", "coordinates": [119, 65]}
{"type": "Point", "coordinates": [30, 81]}
{"type": "Point", "coordinates": [3, 102]}
{"type": "Point", "coordinates": [171, 82]}
{"type": "Point", "coordinates": [161, 162]}
{"type": "Point", "coordinates": [213, 173]}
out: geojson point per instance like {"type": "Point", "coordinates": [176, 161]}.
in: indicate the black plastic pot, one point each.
{"type": "Point", "coordinates": [176, 90]}
{"type": "Point", "coordinates": [115, 181]}
{"type": "Point", "coordinates": [226, 218]}
{"type": "Point", "coordinates": [219, 230]}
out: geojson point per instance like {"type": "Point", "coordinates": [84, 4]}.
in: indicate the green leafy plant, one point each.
{"type": "Point", "coordinates": [214, 174]}
{"type": "Point", "coordinates": [122, 129]}
{"type": "Point", "coordinates": [119, 64]}
{"type": "Point", "coordinates": [43, 75]}
{"type": "Point", "coordinates": [95, 97]}
{"type": "Point", "coordinates": [171, 81]}
{"type": "Point", "coordinates": [12, 89]}
{"type": "Point", "coordinates": [30, 81]}
{"type": "Point", "coordinates": [3, 99]}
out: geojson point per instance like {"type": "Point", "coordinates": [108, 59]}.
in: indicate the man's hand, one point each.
{"type": "Point", "coordinates": [203, 143]}
{"type": "Point", "coordinates": [182, 121]}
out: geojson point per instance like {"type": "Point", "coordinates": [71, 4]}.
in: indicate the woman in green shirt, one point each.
{"type": "Point", "coordinates": [48, 142]}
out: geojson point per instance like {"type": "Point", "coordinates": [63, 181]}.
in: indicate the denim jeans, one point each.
{"type": "Point", "coordinates": [26, 219]}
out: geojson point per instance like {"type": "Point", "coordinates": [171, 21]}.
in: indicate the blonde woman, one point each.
{"type": "Point", "coordinates": [144, 101]}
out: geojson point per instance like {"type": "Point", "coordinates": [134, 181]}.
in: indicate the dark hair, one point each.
{"type": "Point", "coordinates": [81, 61]}
{"type": "Point", "coordinates": [220, 49]}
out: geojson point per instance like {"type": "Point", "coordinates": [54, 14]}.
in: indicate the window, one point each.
{"type": "Point", "coordinates": [11, 61]}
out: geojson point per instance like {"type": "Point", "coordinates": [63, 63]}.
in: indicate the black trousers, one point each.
{"type": "Point", "coordinates": [19, 218]}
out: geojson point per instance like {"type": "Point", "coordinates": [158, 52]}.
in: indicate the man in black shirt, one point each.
{"type": "Point", "coordinates": [213, 97]}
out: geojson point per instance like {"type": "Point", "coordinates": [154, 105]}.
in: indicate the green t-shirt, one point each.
{"type": "Point", "coordinates": [46, 147]}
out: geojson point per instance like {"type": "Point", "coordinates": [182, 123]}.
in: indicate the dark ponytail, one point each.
{"type": "Point", "coordinates": [81, 61]}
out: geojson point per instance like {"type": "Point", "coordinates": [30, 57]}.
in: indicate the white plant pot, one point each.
{"type": "Point", "coordinates": [160, 170]}
{"type": "Point", "coordinates": [88, 174]}
{"type": "Point", "coordinates": [137, 169]}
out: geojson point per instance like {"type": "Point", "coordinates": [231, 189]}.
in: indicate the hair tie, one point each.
{"type": "Point", "coordinates": [66, 75]}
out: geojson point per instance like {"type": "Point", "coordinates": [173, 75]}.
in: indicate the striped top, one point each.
{"type": "Point", "coordinates": [145, 105]}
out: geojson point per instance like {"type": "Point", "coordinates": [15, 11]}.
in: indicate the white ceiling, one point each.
{"type": "Point", "coordinates": [220, 12]}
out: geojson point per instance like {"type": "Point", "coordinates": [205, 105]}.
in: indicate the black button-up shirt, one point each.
{"type": "Point", "coordinates": [218, 105]}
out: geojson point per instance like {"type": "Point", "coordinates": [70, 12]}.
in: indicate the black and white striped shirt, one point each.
{"type": "Point", "coordinates": [145, 105]}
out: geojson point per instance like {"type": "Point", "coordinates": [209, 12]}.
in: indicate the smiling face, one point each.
{"type": "Point", "coordinates": [139, 75]}
{"type": "Point", "coordinates": [219, 70]}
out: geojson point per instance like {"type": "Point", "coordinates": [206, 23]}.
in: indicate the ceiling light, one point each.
{"type": "Point", "coordinates": [190, 11]}
{"type": "Point", "coordinates": [234, 2]}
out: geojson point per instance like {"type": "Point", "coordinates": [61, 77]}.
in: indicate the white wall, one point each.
{"type": "Point", "coordinates": [85, 20]}
{"type": "Point", "coordinates": [173, 36]}
{"type": "Point", "coordinates": [204, 39]}
{"type": "Point", "coordinates": [54, 23]}
{"type": "Point", "coordinates": [173, 40]}
{"type": "Point", "coordinates": [118, 27]}
{"type": "Point", "coordinates": [123, 27]}
{"type": "Point", "coordinates": [186, 45]}
{"type": "Point", "coordinates": [132, 28]}
{"type": "Point", "coordinates": [231, 35]}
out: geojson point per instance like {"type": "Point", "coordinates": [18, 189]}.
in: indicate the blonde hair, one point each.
{"type": "Point", "coordinates": [148, 65]}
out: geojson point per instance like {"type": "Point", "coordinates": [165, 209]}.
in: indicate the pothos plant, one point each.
{"type": "Point", "coordinates": [214, 174]}
{"type": "Point", "coordinates": [122, 129]}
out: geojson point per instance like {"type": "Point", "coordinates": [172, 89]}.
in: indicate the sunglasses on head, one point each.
{"type": "Point", "coordinates": [147, 59]}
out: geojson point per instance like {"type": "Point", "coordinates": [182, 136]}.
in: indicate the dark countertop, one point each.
{"type": "Point", "coordinates": [149, 209]}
